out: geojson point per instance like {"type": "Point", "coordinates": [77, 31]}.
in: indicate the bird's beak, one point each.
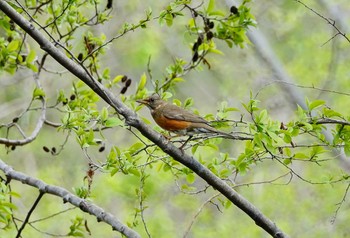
{"type": "Point", "coordinates": [143, 101]}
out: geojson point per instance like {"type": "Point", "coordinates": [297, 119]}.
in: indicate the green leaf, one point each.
{"type": "Point", "coordinates": [251, 106]}
{"type": "Point", "coordinates": [331, 113]}
{"type": "Point", "coordinates": [104, 114]}
{"type": "Point", "coordinates": [33, 67]}
{"type": "Point", "coordinates": [275, 137]}
{"type": "Point", "coordinates": [347, 149]}
{"type": "Point", "coordinates": [135, 147]}
{"type": "Point", "coordinates": [177, 102]}
{"type": "Point", "coordinates": [90, 136]}
{"type": "Point", "coordinates": [228, 204]}
{"type": "Point", "coordinates": [194, 148]}
{"type": "Point", "coordinates": [225, 173]}
{"type": "Point", "coordinates": [169, 19]}
{"type": "Point", "coordinates": [113, 121]}
{"type": "Point", "coordinates": [211, 6]}
{"type": "Point", "coordinates": [287, 138]}
{"type": "Point", "coordinates": [13, 45]}
{"type": "Point", "coordinates": [166, 167]}
{"type": "Point", "coordinates": [190, 178]}
{"type": "Point", "coordinates": [217, 13]}
{"type": "Point", "coordinates": [300, 155]}
{"type": "Point", "coordinates": [31, 56]}
{"type": "Point", "coordinates": [188, 102]}
{"type": "Point", "coordinates": [216, 51]}
{"type": "Point", "coordinates": [143, 81]}
{"type": "Point", "coordinates": [301, 113]}
{"type": "Point", "coordinates": [134, 171]}
{"type": "Point", "coordinates": [287, 161]}
{"type": "Point", "coordinates": [118, 78]}
{"type": "Point", "coordinates": [38, 92]}
{"type": "Point", "coordinates": [213, 146]}
{"type": "Point", "coordinates": [177, 80]}
{"type": "Point", "coordinates": [316, 104]}
{"type": "Point", "coordinates": [295, 132]}
{"type": "Point", "coordinates": [191, 23]}
{"type": "Point", "coordinates": [308, 126]}
{"type": "Point", "coordinates": [317, 150]}
{"type": "Point", "coordinates": [262, 116]}
{"type": "Point", "coordinates": [106, 73]}
{"type": "Point", "coordinates": [287, 151]}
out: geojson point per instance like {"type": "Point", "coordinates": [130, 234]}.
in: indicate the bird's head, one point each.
{"type": "Point", "coordinates": [152, 102]}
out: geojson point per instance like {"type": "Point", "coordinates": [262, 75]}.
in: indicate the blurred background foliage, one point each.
{"type": "Point", "coordinates": [300, 208]}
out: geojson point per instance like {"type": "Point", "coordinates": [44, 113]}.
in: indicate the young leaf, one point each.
{"type": "Point", "coordinates": [211, 6]}
{"type": "Point", "coordinates": [104, 114]}
{"type": "Point", "coordinates": [31, 56]}
{"type": "Point", "coordinates": [143, 81]}
{"type": "Point", "coordinates": [38, 92]}
{"type": "Point", "coordinates": [112, 122]}
{"type": "Point", "coordinates": [316, 104]}
{"type": "Point", "coordinates": [190, 178]}
{"type": "Point", "coordinates": [13, 45]}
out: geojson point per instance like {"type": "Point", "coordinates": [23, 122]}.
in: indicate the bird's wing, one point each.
{"type": "Point", "coordinates": [172, 112]}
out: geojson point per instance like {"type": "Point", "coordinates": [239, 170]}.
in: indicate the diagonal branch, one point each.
{"type": "Point", "coordinates": [85, 206]}
{"type": "Point", "coordinates": [29, 214]}
{"type": "Point", "coordinates": [133, 120]}
{"type": "Point", "coordinates": [328, 20]}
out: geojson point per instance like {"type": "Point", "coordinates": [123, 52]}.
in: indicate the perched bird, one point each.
{"type": "Point", "coordinates": [178, 120]}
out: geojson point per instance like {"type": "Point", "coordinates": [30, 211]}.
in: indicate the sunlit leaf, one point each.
{"type": "Point", "coordinates": [315, 104]}
{"type": "Point", "coordinates": [113, 121]}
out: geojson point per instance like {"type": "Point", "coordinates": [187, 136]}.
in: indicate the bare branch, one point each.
{"type": "Point", "coordinates": [305, 87]}
{"type": "Point", "coordinates": [200, 209]}
{"type": "Point", "coordinates": [37, 129]}
{"type": "Point", "coordinates": [332, 121]}
{"type": "Point", "coordinates": [340, 204]}
{"type": "Point", "coordinates": [84, 205]}
{"type": "Point", "coordinates": [328, 20]}
{"type": "Point", "coordinates": [26, 220]}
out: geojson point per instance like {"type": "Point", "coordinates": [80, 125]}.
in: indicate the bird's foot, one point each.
{"type": "Point", "coordinates": [168, 137]}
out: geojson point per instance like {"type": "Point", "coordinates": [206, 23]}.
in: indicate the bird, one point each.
{"type": "Point", "coordinates": [178, 120]}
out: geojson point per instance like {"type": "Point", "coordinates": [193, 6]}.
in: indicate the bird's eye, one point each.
{"type": "Point", "coordinates": [151, 99]}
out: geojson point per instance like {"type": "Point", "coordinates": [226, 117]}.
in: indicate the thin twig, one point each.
{"type": "Point", "coordinates": [200, 209]}
{"type": "Point", "coordinates": [328, 20]}
{"type": "Point", "coordinates": [340, 204]}
{"type": "Point", "coordinates": [26, 220]}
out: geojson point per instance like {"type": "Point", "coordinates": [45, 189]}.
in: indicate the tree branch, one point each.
{"type": "Point", "coordinates": [332, 121]}
{"type": "Point", "coordinates": [39, 124]}
{"type": "Point", "coordinates": [133, 120]}
{"type": "Point", "coordinates": [328, 20]}
{"type": "Point", "coordinates": [41, 194]}
{"type": "Point", "coordinates": [85, 206]}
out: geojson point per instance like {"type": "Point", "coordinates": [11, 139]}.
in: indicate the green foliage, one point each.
{"type": "Point", "coordinates": [82, 192]}
{"type": "Point", "coordinates": [77, 227]}
{"type": "Point", "coordinates": [38, 93]}
{"type": "Point", "coordinates": [143, 176]}
{"type": "Point", "coordinates": [125, 161]}
{"type": "Point", "coordinates": [208, 25]}
{"type": "Point", "coordinates": [6, 206]}
{"type": "Point", "coordinates": [278, 140]}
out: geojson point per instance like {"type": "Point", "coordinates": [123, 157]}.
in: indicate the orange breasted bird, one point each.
{"type": "Point", "coordinates": [178, 120]}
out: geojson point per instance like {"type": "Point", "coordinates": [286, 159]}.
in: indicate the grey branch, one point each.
{"type": "Point", "coordinates": [34, 134]}
{"type": "Point", "coordinates": [85, 206]}
{"type": "Point", "coordinates": [133, 120]}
